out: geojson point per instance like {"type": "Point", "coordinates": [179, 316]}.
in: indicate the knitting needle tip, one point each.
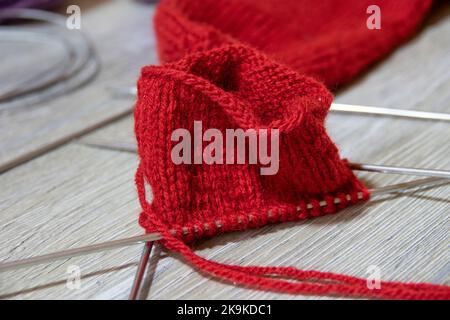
{"type": "Point", "coordinates": [401, 170]}
{"type": "Point", "coordinates": [131, 92]}
{"type": "Point", "coordinates": [404, 113]}
{"type": "Point", "coordinates": [69, 253]}
{"type": "Point", "coordinates": [135, 289]}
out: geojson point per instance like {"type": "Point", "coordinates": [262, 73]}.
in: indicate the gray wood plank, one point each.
{"type": "Point", "coordinates": [71, 197]}
{"type": "Point", "coordinates": [77, 195]}
{"type": "Point", "coordinates": [122, 34]}
{"type": "Point", "coordinates": [82, 195]}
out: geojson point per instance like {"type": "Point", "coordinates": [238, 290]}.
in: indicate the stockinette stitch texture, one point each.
{"type": "Point", "coordinates": [227, 88]}
{"type": "Point", "coordinates": [235, 86]}
{"type": "Point", "coordinates": [326, 39]}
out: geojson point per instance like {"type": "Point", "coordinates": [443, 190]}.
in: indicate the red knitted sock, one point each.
{"type": "Point", "coordinates": [326, 39]}
{"type": "Point", "coordinates": [237, 87]}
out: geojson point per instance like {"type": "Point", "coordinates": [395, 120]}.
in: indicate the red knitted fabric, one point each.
{"type": "Point", "coordinates": [327, 39]}
{"type": "Point", "coordinates": [235, 86]}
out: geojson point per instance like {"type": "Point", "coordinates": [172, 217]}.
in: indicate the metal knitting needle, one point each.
{"type": "Point", "coordinates": [4, 266]}
{"type": "Point", "coordinates": [120, 146]}
{"type": "Point", "coordinates": [127, 147]}
{"type": "Point", "coordinates": [414, 114]}
{"type": "Point", "coordinates": [400, 170]}
{"type": "Point", "coordinates": [69, 253]}
{"type": "Point", "coordinates": [405, 186]}
{"type": "Point", "coordinates": [339, 107]}
{"type": "Point", "coordinates": [135, 289]}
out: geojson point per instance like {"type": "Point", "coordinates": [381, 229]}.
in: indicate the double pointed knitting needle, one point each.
{"type": "Point", "coordinates": [74, 252]}
{"type": "Point", "coordinates": [128, 147]}
{"type": "Point", "coordinates": [339, 107]}
{"type": "Point", "coordinates": [135, 289]}
{"type": "Point", "coordinates": [4, 266]}
{"type": "Point", "coordinates": [404, 113]}
{"type": "Point", "coordinates": [400, 170]}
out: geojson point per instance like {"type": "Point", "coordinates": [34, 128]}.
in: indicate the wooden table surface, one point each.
{"type": "Point", "coordinates": [58, 191]}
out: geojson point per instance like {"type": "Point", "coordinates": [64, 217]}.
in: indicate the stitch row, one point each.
{"type": "Point", "coordinates": [342, 199]}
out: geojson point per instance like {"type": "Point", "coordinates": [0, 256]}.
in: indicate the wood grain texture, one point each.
{"type": "Point", "coordinates": [124, 42]}
{"type": "Point", "coordinates": [68, 198]}
{"type": "Point", "coordinates": [78, 195]}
